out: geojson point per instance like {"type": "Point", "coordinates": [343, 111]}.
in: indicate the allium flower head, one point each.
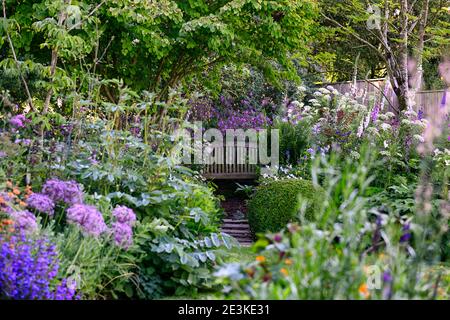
{"type": "Point", "coordinates": [42, 203]}
{"type": "Point", "coordinates": [88, 218]}
{"type": "Point", "coordinates": [123, 234]}
{"type": "Point", "coordinates": [63, 191]}
{"type": "Point", "coordinates": [124, 214]}
{"type": "Point", "coordinates": [24, 221]}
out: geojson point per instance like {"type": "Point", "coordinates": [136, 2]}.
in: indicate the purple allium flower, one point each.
{"type": "Point", "coordinates": [125, 215]}
{"type": "Point", "coordinates": [63, 191]}
{"type": "Point", "coordinates": [24, 221]}
{"type": "Point", "coordinates": [18, 121]}
{"type": "Point", "coordinates": [88, 218]}
{"type": "Point", "coordinates": [29, 269]}
{"type": "Point", "coordinates": [123, 234]}
{"type": "Point", "coordinates": [41, 203]}
{"type": "Point", "coordinates": [406, 236]}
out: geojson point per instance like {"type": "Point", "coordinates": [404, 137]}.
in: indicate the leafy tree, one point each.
{"type": "Point", "coordinates": [393, 33]}
{"type": "Point", "coordinates": [151, 45]}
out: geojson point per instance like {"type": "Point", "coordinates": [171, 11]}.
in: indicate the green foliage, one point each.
{"type": "Point", "coordinates": [279, 202]}
{"type": "Point", "coordinates": [154, 45]}
{"type": "Point", "coordinates": [294, 140]}
{"type": "Point", "coordinates": [350, 251]}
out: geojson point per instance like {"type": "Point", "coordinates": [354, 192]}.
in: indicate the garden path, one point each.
{"type": "Point", "coordinates": [235, 222]}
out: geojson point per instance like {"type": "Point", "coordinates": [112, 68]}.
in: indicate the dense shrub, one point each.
{"type": "Point", "coordinates": [278, 202]}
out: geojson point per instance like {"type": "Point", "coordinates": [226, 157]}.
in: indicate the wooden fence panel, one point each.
{"type": "Point", "coordinates": [425, 100]}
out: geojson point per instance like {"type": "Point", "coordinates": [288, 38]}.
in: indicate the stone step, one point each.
{"type": "Point", "coordinates": [235, 221]}
{"type": "Point", "coordinates": [235, 226]}
{"type": "Point", "coordinates": [236, 231]}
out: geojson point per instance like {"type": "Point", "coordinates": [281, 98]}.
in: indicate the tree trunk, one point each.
{"type": "Point", "coordinates": [420, 46]}
{"type": "Point", "coordinates": [402, 89]}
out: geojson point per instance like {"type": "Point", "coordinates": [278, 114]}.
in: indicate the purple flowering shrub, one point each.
{"type": "Point", "coordinates": [29, 269]}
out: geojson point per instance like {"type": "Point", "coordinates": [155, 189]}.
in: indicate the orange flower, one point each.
{"type": "Point", "coordinates": [11, 230]}
{"type": "Point", "coordinates": [261, 259]}
{"type": "Point", "coordinates": [16, 191]}
{"type": "Point", "coordinates": [11, 195]}
{"type": "Point", "coordinates": [284, 271]}
{"type": "Point", "coordinates": [7, 222]}
{"type": "Point", "coordinates": [28, 190]}
{"type": "Point", "coordinates": [2, 200]}
{"type": "Point", "coordinates": [364, 291]}
{"type": "Point", "coordinates": [288, 262]}
{"type": "Point", "coordinates": [22, 204]}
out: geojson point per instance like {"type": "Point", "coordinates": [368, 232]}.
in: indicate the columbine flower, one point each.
{"type": "Point", "coordinates": [63, 191]}
{"type": "Point", "coordinates": [88, 218]}
{"type": "Point", "coordinates": [41, 202]}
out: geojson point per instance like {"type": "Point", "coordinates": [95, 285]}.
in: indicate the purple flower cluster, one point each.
{"type": "Point", "coordinates": [123, 234]}
{"type": "Point", "coordinates": [29, 269]}
{"type": "Point", "coordinates": [18, 121]}
{"type": "Point", "coordinates": [247, 119]}
{"type": "Point", "coordinates": [122, 227]}
{"type": "Point", "coordinates": [292, 114]}
{"type": "Point", "coordinates": [374, 113]}
{"type": "Point", "coordinates": [24, 221]}
{"type": "Point", "coordinates": [202, 109]}
{"type": "Point", "coordinates": [124, 214]}
{"type": "Point", "coordinates": [41, 203]}
{"type": "Point", "coordinates": [63, 191]}
{"type": "Point", "coordinates": [406, 236]}
{"type": "Point", "coordinates": [88, 218]}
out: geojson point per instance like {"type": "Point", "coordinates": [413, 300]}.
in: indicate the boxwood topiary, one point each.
{"type": "Point", "coordinates": [277, 203]}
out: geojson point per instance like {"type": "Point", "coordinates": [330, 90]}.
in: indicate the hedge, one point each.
{"type": "Point", "coordinates": [278, 202]}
